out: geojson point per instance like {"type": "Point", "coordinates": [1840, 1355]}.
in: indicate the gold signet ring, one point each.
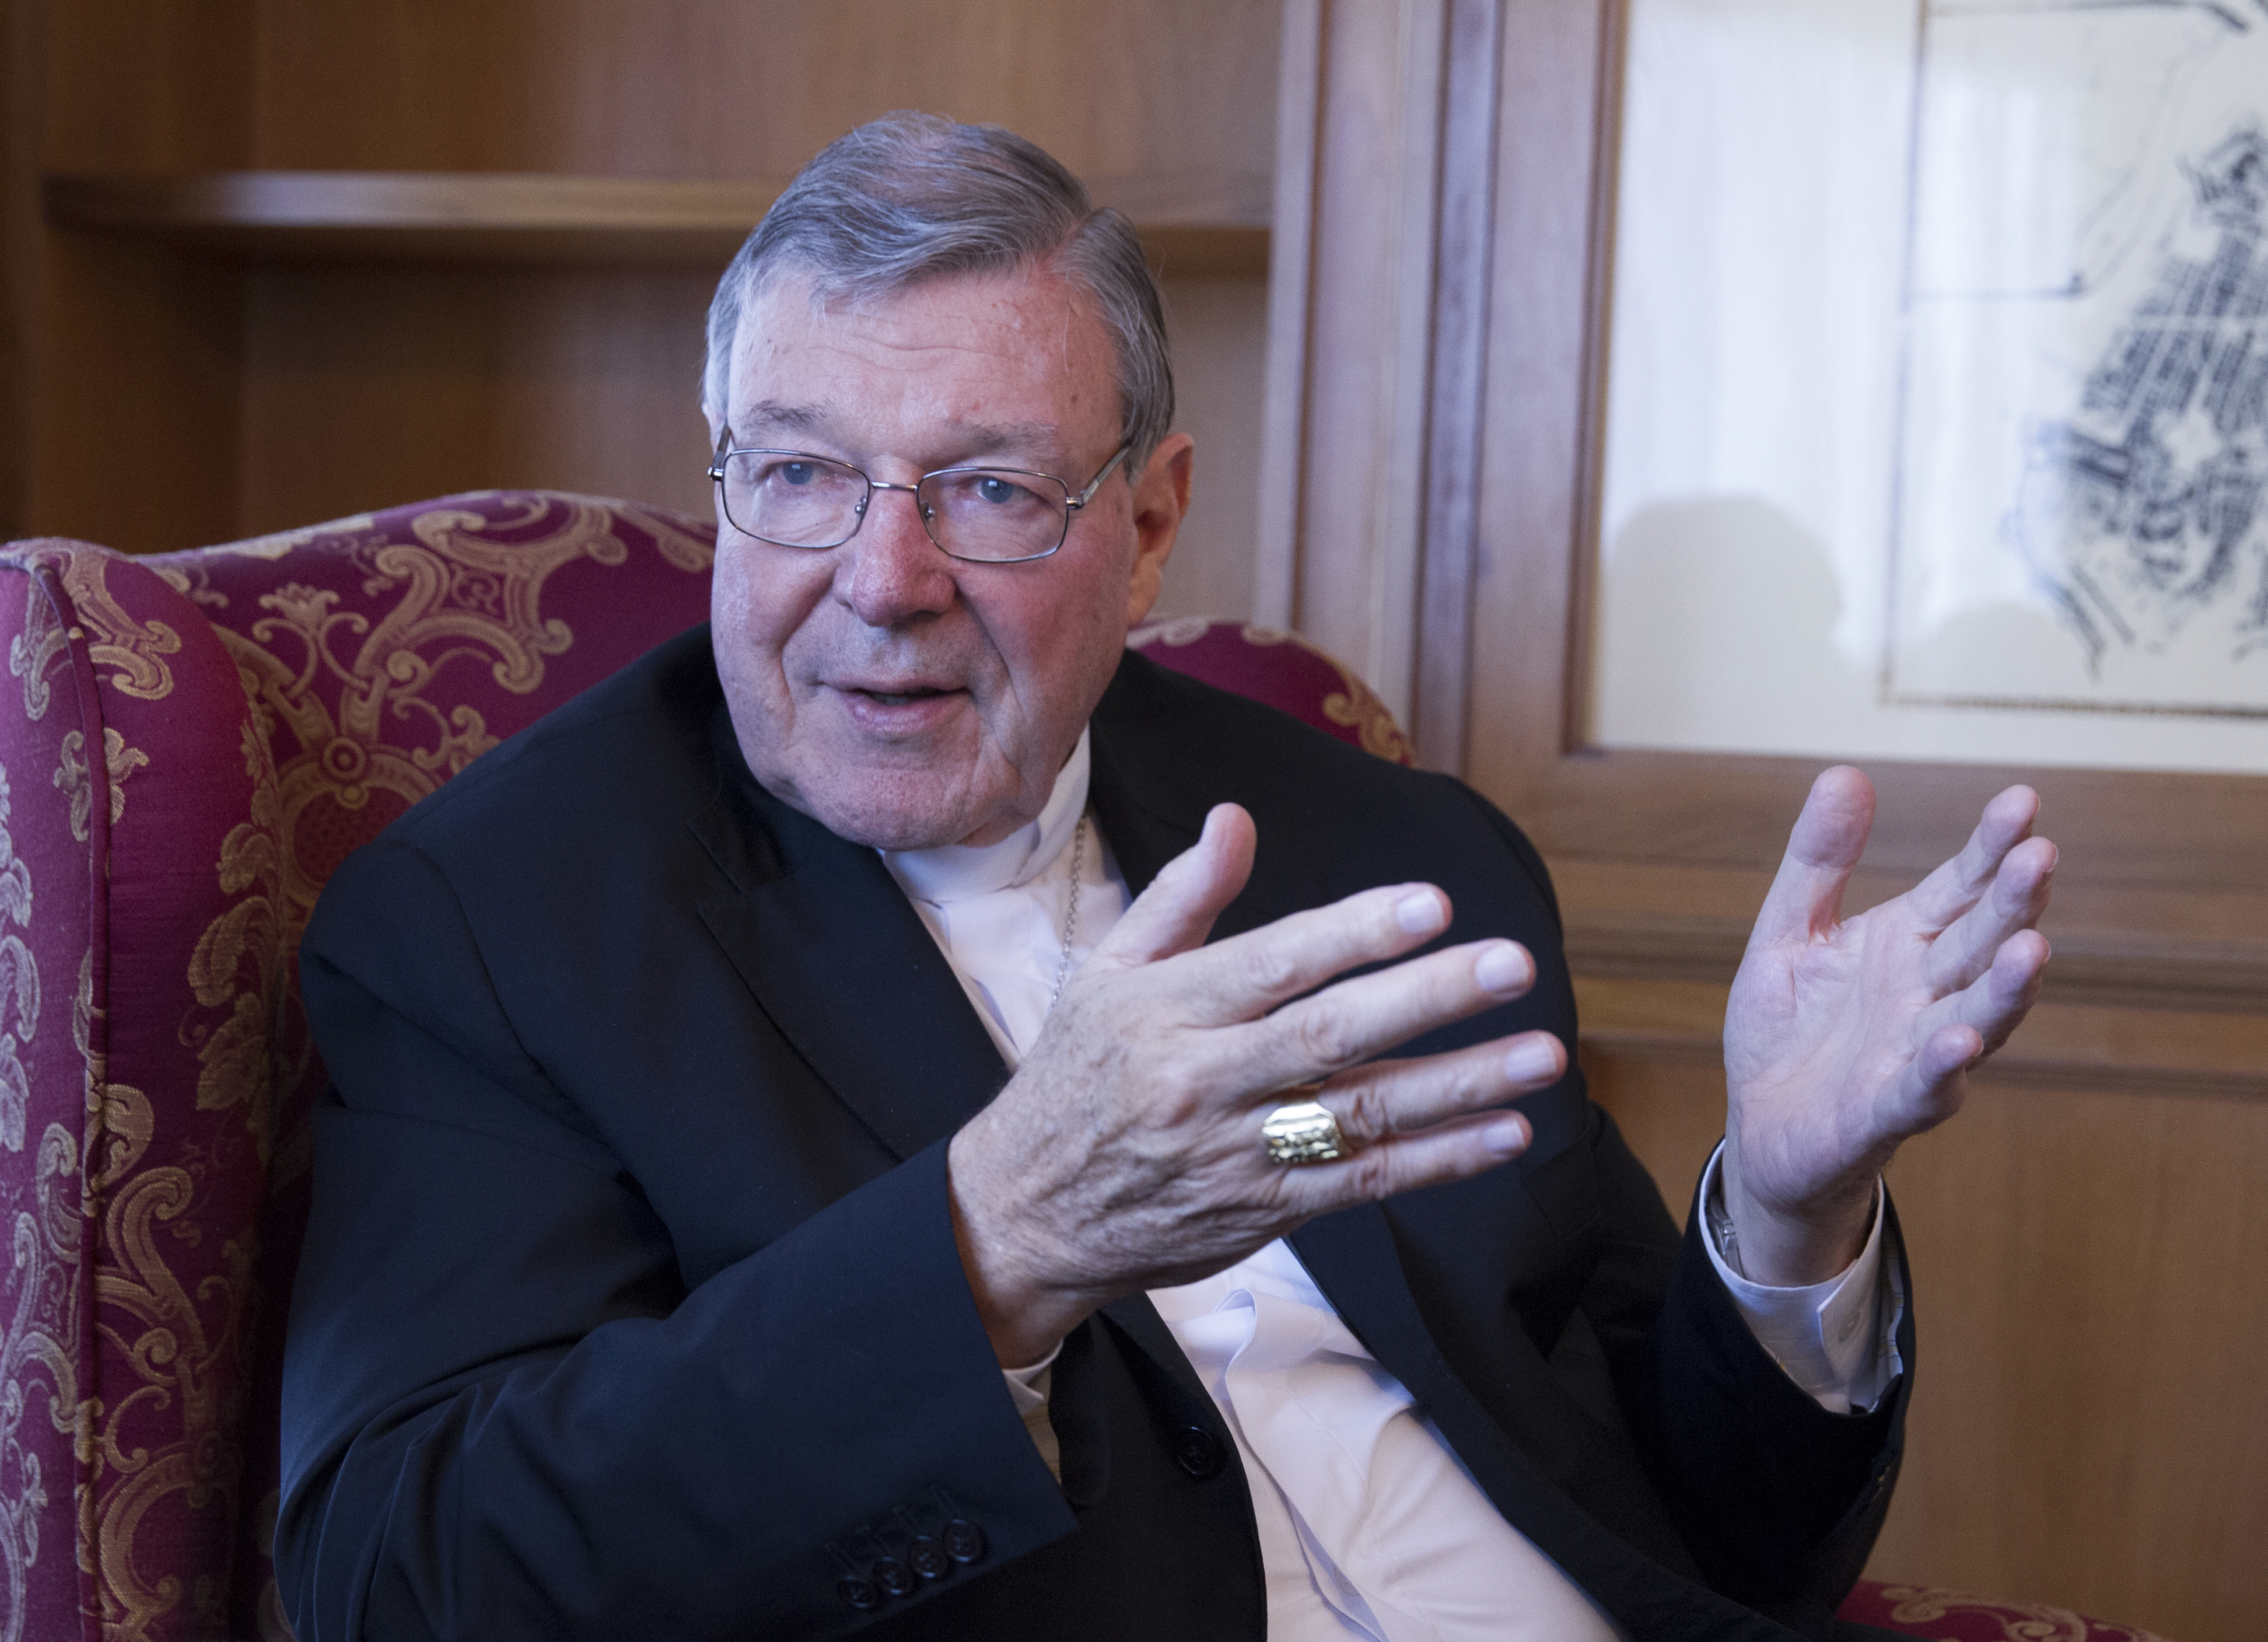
{"type": "Point", "coordinates": [1304, 1132]}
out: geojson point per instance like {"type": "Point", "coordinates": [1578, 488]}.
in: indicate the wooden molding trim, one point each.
{"type": "Point", "coordinates": [1194, 226]}
{"type": "Point", "coordinates": [2066, 1045]}
{"type": "Point", "coordinates": [2118, 971]}
{"type": "Point", "coordinates": [1449, 531]}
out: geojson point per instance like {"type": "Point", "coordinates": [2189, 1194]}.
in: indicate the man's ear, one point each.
{"type": "Point", "coordinates": [1161, 498]}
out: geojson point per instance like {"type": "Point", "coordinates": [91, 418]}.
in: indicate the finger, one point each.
{"type": "Point", "coordinates": [1954, 887]}
{"type": "Point", "coordinates": [1454, 1151]}
{"type": "Point", "coordinates": [1933, 1084]}
{"type": "Point", "coordinates": [1995, 1003]}
{"type": "Point", "coordinates": [1241, 978]}
{"type": "Point", "coordinates": [1360, 1019]}
{"type": "Point", "coordinates": [1395, 1098]}
{"type": "Point", "coordinates": [1823, 847]}
{"type": "Point", "coordinates": [2014, 899]}
{"type": "Point", "coordinates": [1176, 913]}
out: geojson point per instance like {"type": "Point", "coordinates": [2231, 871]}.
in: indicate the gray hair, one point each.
{"type": "Point", "coordinates": [911, 197]}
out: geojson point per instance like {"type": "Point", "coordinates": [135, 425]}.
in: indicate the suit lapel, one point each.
{"type": "Point", "coordinates": [844, 966]}
{"type": "Point", "coordinates": [1149, 812]}
{"type": "Point", "coordinates": [1350, 1256]}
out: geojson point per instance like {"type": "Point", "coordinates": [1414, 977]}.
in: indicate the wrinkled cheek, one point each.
{"type": "Point", "coordinates": [754, 619]}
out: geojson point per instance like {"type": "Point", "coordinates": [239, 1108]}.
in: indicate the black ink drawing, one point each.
{"type": "Point", "coordinates": [2150, 505]}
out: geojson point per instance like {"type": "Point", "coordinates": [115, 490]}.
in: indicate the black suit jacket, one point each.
{"type": "Point", "coordinates": [630, 1306]}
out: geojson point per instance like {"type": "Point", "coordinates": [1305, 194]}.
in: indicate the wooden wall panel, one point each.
{"type": "Point", "coordinates": [365, 387]}
{"type": "Point", "coordinates": [22, 108]}
{"type": "Point", "coordinates": [147, 85]}
{"type": "Point", "coordinates": [723, 88]}
{"type": "Point", "coordinates": [1342, 499]}
{"type": "Point", "coordinates": [368, 386]}
{"type": "Point", "coordinates": [133, 374]}
{"type": "Point", "coordinates": [1218, 329]}
{"type": "Point", "coordinates": [2086, 1239]}
{"type": "Point", "coordinates": [296, 391]}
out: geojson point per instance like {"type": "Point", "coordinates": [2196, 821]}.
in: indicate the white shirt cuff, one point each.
{"type": "Point", "coordinates": [1837, 1339]}
{"type": "Point", "coordinates": [1029, 1387]}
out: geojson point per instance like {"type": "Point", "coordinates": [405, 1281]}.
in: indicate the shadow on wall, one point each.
{"type": "Point", "coordinates": [1715, 629]}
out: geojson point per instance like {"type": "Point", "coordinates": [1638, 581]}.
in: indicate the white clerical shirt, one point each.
{"type": "Point", "coordinates": [1370, 1526]}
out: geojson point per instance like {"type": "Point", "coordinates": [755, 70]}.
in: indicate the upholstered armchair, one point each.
{"type": "Point", "coordinates": [190, 744]}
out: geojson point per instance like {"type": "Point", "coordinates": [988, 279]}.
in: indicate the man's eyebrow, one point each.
{"type": "Point", "coordinates": [766, 415]}
{"type": "Point", "coordinates": [1029, 439]}
{"type": "Point", "coordinates": [1023, 440]}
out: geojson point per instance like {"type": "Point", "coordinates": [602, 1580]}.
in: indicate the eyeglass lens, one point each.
{"type": "Point", "coordinates": [798, 500]}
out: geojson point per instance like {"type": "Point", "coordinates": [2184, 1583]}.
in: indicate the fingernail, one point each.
{"type": "Point", "coordinates": [1524, 1062]}
{"type": "Point", "coordinates": [1502, 969]}
{"type": "Point", "coordinates": [1506, 1138]}
{"type": "Point", "coordinates": [1419, 914]}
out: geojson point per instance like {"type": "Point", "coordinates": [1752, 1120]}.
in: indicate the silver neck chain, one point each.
{"type": "Point", "coordinates": [1070, 909]}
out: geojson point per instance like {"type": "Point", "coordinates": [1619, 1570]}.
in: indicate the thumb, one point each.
{"type": "Point", "coordinates": [1176, 913]}
{"type": "Point", "coordinates": [1825, 844]}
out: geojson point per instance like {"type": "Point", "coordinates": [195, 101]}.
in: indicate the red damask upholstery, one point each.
{"type": "Point", "coordinates": [1282, 669]}
{"type": "Point", "coordinates": [259, 710]}
{"type": "Point", "coordinates": [256, 712]}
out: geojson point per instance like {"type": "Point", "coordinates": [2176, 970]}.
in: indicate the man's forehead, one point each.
{"type": "Point", "coordinates": [1006, 361]}
{"type": "Point", "coordinates": [1025, 313]}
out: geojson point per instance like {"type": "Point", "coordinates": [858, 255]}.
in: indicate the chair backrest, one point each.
{"type": "Point", "coordinates": [203, 737]}
{"type": "Point", "coordinates": [1282, 669]}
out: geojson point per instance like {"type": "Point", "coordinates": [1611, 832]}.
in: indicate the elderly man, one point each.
{"type": "Point", "coordinates": [895, 1111]}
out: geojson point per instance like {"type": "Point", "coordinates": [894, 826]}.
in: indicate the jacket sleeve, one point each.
{"type": "Point", "coordinates": [503, 1413]}
{"type": "Point", "coordinates": [1777, 1500]}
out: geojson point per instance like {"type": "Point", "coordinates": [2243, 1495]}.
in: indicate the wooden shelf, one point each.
{"type": "Point", "coordinates": [1201, 227]}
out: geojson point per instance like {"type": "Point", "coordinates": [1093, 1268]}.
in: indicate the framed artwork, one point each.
{"type": "Point", "coordinates": [1933, 406]}
{"type": "Point", "coordinates": [1880, 382]}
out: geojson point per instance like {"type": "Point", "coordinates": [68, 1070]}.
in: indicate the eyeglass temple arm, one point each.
{"type": "Point", "coordinates": [1075, 503]}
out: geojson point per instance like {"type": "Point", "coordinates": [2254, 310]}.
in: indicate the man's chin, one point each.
{"type": "Point", "coordinates": [899, 814]}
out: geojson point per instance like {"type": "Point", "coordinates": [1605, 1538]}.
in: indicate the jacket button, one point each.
{"type": "Point", "coordinates": [1198, 1452]}
{"type": "Point", "coordinates": [893, 1576]}
{"type": "Point", "coordinates": [964, 1541]}
{"type": "Point", "coordinates": [928, 1559]}
{"type": "Point", "coordinates": [860, 1594]}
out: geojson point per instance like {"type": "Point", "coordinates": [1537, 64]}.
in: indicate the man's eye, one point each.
{"type": "Point", "coordinates": [992, 488]}
{"type": "Point", "coordinates": [796, 472]}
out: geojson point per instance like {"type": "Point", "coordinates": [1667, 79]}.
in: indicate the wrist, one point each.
{"type": "Point", "coordinates": [1789, 1246]}
{"type": "Point", "coordinates": [1024, 1315]}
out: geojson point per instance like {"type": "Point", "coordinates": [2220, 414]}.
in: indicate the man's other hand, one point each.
{"type": "Point", "coordinates": [1126, 1152]}
{"type": "Point", "coordinates": [1842, 1037]}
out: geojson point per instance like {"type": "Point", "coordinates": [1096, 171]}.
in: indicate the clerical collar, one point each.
{"type": "Point", "coordinates": [954, 872]}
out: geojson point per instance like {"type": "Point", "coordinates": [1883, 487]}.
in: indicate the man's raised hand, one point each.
{"type": "Point", "coordinates": [1126, 1152]}
{"type": "Point", "coordinates": [1844, 1037]}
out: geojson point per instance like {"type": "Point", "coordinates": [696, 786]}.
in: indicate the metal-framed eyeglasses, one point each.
{"type": "Point", "coordinates": [987, 515]}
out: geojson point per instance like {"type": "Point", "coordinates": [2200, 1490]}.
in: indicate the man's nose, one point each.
{"type": "Point", "coordinates": [891, 571]}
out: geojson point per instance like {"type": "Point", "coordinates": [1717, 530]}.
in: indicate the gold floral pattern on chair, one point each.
{"type": "Point", "coordinates": [394, 648]}
{"type": "Point", "coordinates": [73, 778]}
{"type": "Point", "coordinates": [457, 594]}
{"type": "Point", "coordinates": [41, 1333]}
{"type": "Point", "coordinates": [1210, 653]}
{"type": "Point", "coordinates": [133, 650]}
{"type": "Point", "coordinates": [1370, 719]}
{"type": "Point", "coordinates": [2018, 1622]}
{"type": "Point", "coordinates": [173, 1351]}
{"type": "Point", "coordinates": [237, 970]}
{"type": "Point", "coordinates": [38, 1342]}
{"type": "Point", "coordinates": [19, 983]}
